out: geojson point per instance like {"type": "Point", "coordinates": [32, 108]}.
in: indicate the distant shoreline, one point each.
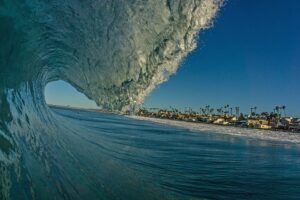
{"type": "Point", "coordinates": [70, 107]}
{"type": "Point", "coordinates": [81, 109]}
{"type": "Point", "coordinates": [261, 134]}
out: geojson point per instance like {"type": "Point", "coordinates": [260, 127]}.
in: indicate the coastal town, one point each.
{"type": "Point", "coordinates": [228, 116]}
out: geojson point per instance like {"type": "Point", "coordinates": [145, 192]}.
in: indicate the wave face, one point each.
{"type": "Point", "coordinates": [114, 51]}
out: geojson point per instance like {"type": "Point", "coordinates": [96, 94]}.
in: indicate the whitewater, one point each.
{"type": "Point", "coordinates": [256, 134]}
{"type": "Point", "coordinates": [115, 52]}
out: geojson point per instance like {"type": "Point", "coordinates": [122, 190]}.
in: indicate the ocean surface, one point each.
{"type": "Point", "coordinates": [123, 158]}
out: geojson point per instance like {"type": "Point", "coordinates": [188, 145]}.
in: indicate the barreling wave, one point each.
{"type": "Point", "coordinates": [113, 51]}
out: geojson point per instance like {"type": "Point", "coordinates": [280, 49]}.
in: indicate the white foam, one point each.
{"type": "Point", "coordinates": [229, 130]}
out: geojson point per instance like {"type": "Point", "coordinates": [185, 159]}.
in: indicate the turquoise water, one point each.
{"type": "Point", "coordinates": [138, 159]}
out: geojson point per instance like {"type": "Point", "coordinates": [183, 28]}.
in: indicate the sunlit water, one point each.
{"type": "Point", "coordinates": [133, 159]}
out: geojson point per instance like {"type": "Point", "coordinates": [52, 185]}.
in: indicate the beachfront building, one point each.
{"type": "Point", "coordinates": [258, 123]}
{"type": "Point", "coordinates": [286, 120]}
{"type": "Point", "coordinates": [206, 119]}
{"type": "Point", "coordinates": [221, 121]}
{"type": "Point", "coordinates": [294, 125]}
{"type": "Point", "coordinates": [264, 126]}
{"type": "Point", "coordinates": [232, 119]}
{"type": "Point", "coordinates": [264, 120]}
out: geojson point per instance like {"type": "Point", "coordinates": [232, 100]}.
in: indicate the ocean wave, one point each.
{"type": "Point", "coordinates": [113, 51]}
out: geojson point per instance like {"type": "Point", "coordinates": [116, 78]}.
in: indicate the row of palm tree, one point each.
{"type": "Point", "coordinates": [227, 110]}
{"type": "Point", "coordinates": [253, 110]}
{"type": "Point", "coordinates": [280, 109]}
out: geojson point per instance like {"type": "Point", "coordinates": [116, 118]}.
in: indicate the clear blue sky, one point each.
{"type": "Point", "coordinates": [62, 93]}
{"type": "Point", "coordinates": [251, 57]}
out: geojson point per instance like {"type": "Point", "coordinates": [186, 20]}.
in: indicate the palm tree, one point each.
{"type": "Point", "coordinates": [237, 111]}
{"type": "Point", "coordinates": [283, 108]}
{"type": "Point", "coordinates": [203, 111]}
{"type": "Point", "coordinates": [207, 108]}
{"type": "Point", "coordinates": [253, 111]}
{"type": "Point", "coordinates": [226, 107]}
{"type": "Point", "coordinates": [241, 117]}
{"type": "Point", "coordinates": [185, 109]}
{"type": "Point", "coordinates": [277, 108]}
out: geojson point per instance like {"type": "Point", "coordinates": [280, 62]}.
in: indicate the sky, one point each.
{"type": "Point", "coordinates": [250, 57]}
{"type": "Point", "coordinates": [62, 93]}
